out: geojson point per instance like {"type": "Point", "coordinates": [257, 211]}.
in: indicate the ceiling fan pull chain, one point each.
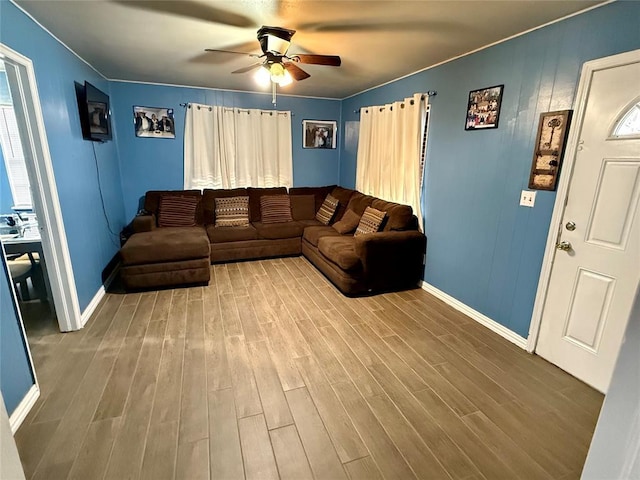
{"type": "Point", "coordinates": [273, 93]}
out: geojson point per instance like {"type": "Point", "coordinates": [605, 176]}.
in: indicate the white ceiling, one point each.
{"type": "Point", "coordinates": [164, 41]}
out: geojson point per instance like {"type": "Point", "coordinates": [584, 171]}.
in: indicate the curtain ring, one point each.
{"type": "Point", "coordinates": [189, 106]}
{"type": "Point", "coordinates": [210, 109]}
{"type": "Point", "coordinates": [411, 102]}
{"type": "Point", "coordinates": [402, 105]}
{"type": "Point", "coordinates": [271, 114]}
{"type": "Point", "coordinates": [366, 111]}
{"type": "Point", "coordinates": [381, 109]}
{"type": "Point", "coordinates": [198, 107]}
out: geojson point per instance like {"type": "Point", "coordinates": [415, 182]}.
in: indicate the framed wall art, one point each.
{"type": "Point", "coordinates": [319, 133]}
{"type": "Point", "coordinates": [154, 122]}
{"type": "Point", "coordinates": [553, 129]}
{"type": "Point", "coordinates": [483, 109]}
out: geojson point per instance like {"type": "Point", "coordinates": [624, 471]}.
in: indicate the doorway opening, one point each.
{"type": "Point", "coordinates": [34, 234]}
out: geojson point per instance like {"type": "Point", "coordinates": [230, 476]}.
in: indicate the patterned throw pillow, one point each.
{"type": "Point", "coordinates": [177, 211]}
{"type": "Point", "coordinates": [370, 222]}
{"type": "Point", "coordinates": [327, 210]}
{"type": "Point", "coordinates": [347, 223]}
{"type": "Point", "coordinates": [232, 212]}
{"type": "Point", "coordinates": [275, 208]}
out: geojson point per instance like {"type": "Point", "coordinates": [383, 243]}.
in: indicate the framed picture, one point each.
{"type": "Point", "coordinates": [319, 133]}
{"type": "Point", "coordinates": [483, 110]}
{"type": "Point", "coordinates": [154, 122]}
{"type": "Point", "coordinates": [553, 129]}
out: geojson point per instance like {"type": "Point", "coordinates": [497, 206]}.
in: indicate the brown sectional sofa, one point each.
{"type": "Point", "coordinates": [391, 259]}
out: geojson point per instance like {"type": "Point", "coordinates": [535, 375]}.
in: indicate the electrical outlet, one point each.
{"type": "Point", "coordinates": [527, 198]}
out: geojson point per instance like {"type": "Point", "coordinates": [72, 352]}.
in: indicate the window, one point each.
{"type": "Point", "coordinates": [629, 124]}
{"type": "Point", "coordinates": [12, 148]}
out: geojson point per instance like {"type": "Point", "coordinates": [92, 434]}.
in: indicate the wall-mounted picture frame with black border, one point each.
{"type": "Point", "coordinates": [483, 109]}
{"type": "Point", "coordinates": [553, 129]}
{"type": "Point", "coordinates": [319, 133]}
{"type": "Point", "coordinates": [154, 122]}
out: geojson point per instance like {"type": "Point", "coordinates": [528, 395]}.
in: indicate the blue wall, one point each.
{"type": "Point", "coordinates": [91, 245]}
{"type": "Point", "coordinates": [483, 248]}
{"type": "Point", "coordinates": [6, 199]}
{"type": "Point", "coordinates": [16, 377]}
{"type": "Point", "coordinates": [153, 164]}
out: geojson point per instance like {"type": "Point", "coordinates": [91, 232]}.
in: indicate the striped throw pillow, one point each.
{"type": "Point", "coordinates": [275, 208]}
{"type": "Point", "coordinates": [232, 212]}
{"type": "Point", "coordinates": [177, 211]}
{"type": "Point", "coordinates": [327, 210]}
{"type": "Point", "coordinates": [370, 221]}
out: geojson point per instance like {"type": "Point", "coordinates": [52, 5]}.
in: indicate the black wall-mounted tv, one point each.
{"type": "Point", "coordinates": [95, 113]}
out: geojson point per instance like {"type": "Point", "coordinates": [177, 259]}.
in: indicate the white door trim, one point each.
{"type": "Point", "coordinates": [588, 69]}
{"type": "Point", "coordinates": [44, 192]}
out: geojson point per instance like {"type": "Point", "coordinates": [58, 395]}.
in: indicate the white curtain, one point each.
{"type": "Point", "coordinates": [389, 151]}
{"type": "Point", "coordinates": [233, 147]}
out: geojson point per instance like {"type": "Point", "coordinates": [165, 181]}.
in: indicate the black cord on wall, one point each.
{"type": "Point", "coordinates": [104, 210]}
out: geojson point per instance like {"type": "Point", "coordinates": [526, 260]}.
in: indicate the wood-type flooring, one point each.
{"type": "Point", "coordinates": [269, 372]}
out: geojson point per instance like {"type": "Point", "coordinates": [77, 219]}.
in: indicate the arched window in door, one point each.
{"type": "Point", "coordinates": [629, 123]}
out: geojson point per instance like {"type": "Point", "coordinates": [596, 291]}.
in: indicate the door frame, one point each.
{"type": "Point", "coordinates": [43, 188]}
{"type": "Point", "coordinates": [584, 87]}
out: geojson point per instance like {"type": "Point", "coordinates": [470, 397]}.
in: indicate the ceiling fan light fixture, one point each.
{"type": "Point", "coordinates": [286, 79]}
{"type": "Point", "coordinates": [263, 76]}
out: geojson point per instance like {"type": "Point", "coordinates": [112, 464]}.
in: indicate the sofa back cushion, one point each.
{"type": "Point", "coordinates": [370, 222]}
{"type": "Point", "coordinates": [399, 217]}
{"type": "Point", "coordinates": [303, 207]}
{"type": "Point", "coordinates": [232, 211]}
{"type": "Point", "coordinates": [327, 210]}
{"type": "Point", "coordinates": [359, 202]}
{"type": "Point", "coordinates": [209, 200]}
{"type": "Point", "coordinates": [254, 199]}
{"type": "Point", "coordinates": [152, 201]}
{"type": "Point", "coordinates": [275, 209]}
{"type": "Point", "coordinates": [343, 195]}
{"type": "Point", "coordinates": [319, 194]}
{"type": "Point", "coordinates": [177, 211]}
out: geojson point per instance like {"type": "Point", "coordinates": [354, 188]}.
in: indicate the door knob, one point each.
{"type": "Point", "coordinates": [571, 226]}
{"type": "Point", "coordinates": [565, 246]}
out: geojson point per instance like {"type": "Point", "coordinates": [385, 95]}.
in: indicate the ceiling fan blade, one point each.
{"type": "Point", "coordinates": [247, 69]}
{"type": "Point", "coordinates": [192, 9]}
{"type": "Point", "coordinates": [295, 71]}
{"type": "Point", "coordinates": [330, 60]}
{"type": "Point", "coordinates": [231, 51]}
{"type": "Point", "coordinates": [357, 25]}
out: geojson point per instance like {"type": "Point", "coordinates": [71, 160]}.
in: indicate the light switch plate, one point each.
{"type": "Point", "coordinates": [527, 198]}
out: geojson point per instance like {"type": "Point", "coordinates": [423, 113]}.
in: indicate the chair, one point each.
{"type": "Point", "coordinates": [21, 269]}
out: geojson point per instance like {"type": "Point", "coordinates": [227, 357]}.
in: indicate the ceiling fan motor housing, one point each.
{"type": "Point", "coordinates": [275, 39]}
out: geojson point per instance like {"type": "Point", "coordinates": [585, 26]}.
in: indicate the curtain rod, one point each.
{"type": "Point", "coordinates": [263, 112]}
{"type": "Point", "coordinates": [430, 93]}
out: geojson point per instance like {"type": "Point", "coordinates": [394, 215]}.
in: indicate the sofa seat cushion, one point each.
{"type": "Point", "coordinates": [275, 231]}
{"type": "Point", "coordinates": [314, 233]}
{"type": "Point", "coordinates": [341, 251]}
{"type": "Point", "coordinates": [169, 244]}
{"type": "Point", "coordinates": [231, 234]}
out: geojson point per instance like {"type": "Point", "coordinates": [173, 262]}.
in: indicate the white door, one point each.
{"type": "Point", "coordinates": [597, 262]}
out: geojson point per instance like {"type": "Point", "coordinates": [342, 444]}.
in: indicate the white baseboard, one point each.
{"type": "Point", "coordinates": [475, 315]}
{"type": "Point", "coordinates": [97, 298]}
{"type": "Point", "coordinates": [93, 304]}
{"type": "Point", "coordinates": [23, 408]}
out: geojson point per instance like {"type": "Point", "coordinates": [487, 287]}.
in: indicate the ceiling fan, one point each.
{"type": "Point", "coordinates": [275, 65]}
